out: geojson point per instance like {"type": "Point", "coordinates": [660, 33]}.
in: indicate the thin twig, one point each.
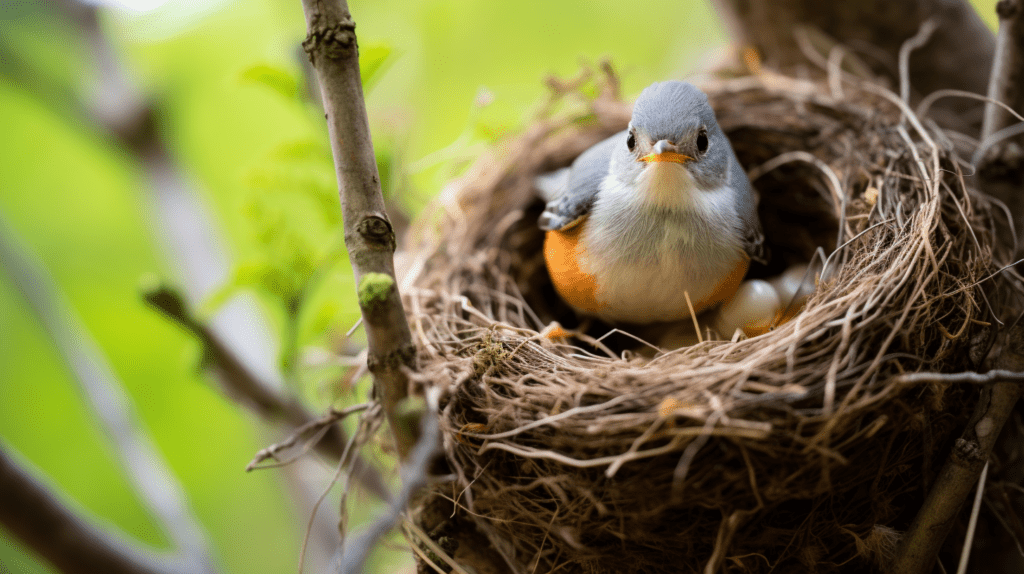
{"type": "Point", "coordinates": [249, 389]}
{"type": "Point", "coordinates": [147, 471]}
{"type": "Point", "coordinates": [920, 545]}
{"type": "Point", "coordinates": [364, 430]}
{"type": "Point", "coordinates": [312, 427]}
{"type": "Point", "coordinates": [355, 549]}
{"type": "Point", "coordinates": [369, 236]}
{"type": "Point", "coordinates": [1008, 68]}
{"type": "Point", "coordinates": [117, 108]}
{"type": "Point", "coordinates": [965, 377]}
{"type": "Point", "coordinates": [965, 553]}
{"type": "Point", "coordinates": [924, 33]}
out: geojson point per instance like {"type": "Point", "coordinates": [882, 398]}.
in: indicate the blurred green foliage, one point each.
{"type": "Point", "coordinates": [443, 78]}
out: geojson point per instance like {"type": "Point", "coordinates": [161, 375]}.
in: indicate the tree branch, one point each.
{"type": "Point", "coordinates": [187, 231]}
{"type": "Point", "coordinates": [999, 157]}
{"type": "Point", "coordinates": [320, 425]}
{"type": "Point", "coordinates": [1006, 83]}
{"type": "Point", "coordinates": [920, 545]}
{"type": "Point", "coordinates": [146, 470]}
{"type": "Point", "coordinates": [369, 236]}
{"type": "Point", "coordinates": [958, 56]}
{"type": "Point", "coordinates": [69, 542]}
{"type": "Point", "coordinates": [250, 390]}
{"type": "Point", "coordinates": [236, 338]}
{"type": "Point", "coordinates": [355, 549]}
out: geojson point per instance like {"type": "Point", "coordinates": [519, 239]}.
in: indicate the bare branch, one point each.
{"type": "Point", "coordinates": [249, 389]}
{"type": "Point", "coordinates": [313, 427]}
{"type": "Point", "coordinates": [69, 542]}
{"type": "Point", "coordinates": [922, 542]}
{"type": "Point", "coordinates": [355, 549]}
{"type": "Point", "coordinates": [999, 157]}
{"type": "Point", "coordinates": [189, 236]}
{"type": "Point", "coordinates": [1006, 83]}
{"type": "Point", "coordinates": [146, 470]}
{"type": "Point", "coordinates": [238, 340]}
{"type": "Point", "coordinates": [992, 376]}
{"type": "Point", "coordinates": [369, 236]}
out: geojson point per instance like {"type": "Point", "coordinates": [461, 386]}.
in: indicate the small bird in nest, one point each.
{"type": "Point", "coordinates": [656, 223]}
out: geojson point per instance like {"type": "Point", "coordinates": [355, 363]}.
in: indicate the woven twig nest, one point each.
{"type": "Point", "coordinates": [795, 450]}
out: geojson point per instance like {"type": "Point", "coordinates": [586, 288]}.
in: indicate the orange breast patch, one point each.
{"type": "Point", "coordinates": [563, 253]}
{"type": "Point", "coordinates": [726, 288]}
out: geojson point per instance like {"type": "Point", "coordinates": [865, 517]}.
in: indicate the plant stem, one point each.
{"type": "Point", "coordinates": [369, 236]}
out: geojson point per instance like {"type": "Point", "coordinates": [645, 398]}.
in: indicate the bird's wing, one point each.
{"type": "Point", "coordinates": [585, 177]}
{"type": "Point", "coordinates": [753, 237]}
{"type": "Point", "coordinates": [552, 185]}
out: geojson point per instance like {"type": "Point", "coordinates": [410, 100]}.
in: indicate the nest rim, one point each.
{"type": "Point", "coordinates": [519, 408]}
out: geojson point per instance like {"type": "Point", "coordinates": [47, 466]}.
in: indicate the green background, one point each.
{"type": "Point", "coordinates": [79, 203]}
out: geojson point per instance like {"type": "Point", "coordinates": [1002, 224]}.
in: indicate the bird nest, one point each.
{"type": "Point", "coordinates": [800, 449]}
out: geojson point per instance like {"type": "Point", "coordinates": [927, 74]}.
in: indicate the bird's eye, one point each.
{"type": "Point", "coordinates": [702, 141]}
{"type": "Point", "coordinates": [630, 141]}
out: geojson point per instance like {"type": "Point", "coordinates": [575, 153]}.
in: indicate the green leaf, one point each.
{"type": "Point", "coordinates": [277, 79]}
{"type": "Point", "coordinates": [372, 60]}
{"type": "Point", "coordinates": [309, 149]}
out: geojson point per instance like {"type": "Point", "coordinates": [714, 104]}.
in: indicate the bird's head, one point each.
{"type": "Point", "coordinates": [673, 132]}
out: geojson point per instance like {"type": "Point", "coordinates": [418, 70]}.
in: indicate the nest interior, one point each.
{"type": "Point", "coordinates": [799, 450]}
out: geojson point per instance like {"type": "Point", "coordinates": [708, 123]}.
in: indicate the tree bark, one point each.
{"type": "Point", "coordinates": [1000, 158]}
{"type": "Point", "coordinates": [369, 236]}
{"type": "Point", "coordinates": [1007, 79]}
{"type": "Point", "coordinates": [958, 55]}
{"type": "Point", "coordinates": [920, 545]}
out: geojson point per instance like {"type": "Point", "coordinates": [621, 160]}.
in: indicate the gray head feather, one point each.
{"type": "Point", "coordinates": [671, 110]}
{"type": "Point", "coordinates": [677, 112]}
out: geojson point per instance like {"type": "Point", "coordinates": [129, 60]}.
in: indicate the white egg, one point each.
{"type": "Point", "coordinates": [752, 309]}
{"type": "Point", "coordinates": [795, 285]}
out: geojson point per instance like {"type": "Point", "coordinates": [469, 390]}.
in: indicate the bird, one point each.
{"type": "Point", "coordinates": [655, 223]}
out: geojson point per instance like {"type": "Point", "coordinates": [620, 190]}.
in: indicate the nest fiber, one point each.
{"type": "Point", "coordinates": [798, 450]}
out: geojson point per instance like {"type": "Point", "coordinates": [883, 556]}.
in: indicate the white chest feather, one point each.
{"type": "Point", "coordinates": [648, 244]}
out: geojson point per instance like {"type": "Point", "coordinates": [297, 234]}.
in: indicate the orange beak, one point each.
{"type": "Point", "coordinates": [666, 156]}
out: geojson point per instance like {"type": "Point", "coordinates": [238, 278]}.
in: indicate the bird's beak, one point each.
{"type": "Point", "coordinates": [665, 151]}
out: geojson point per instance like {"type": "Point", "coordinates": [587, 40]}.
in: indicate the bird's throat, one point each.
{"type": "Point", "coordinates": [666, 185]}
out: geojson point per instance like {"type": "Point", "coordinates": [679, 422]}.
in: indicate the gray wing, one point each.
{"type": "Point", "coordinates": [585, 177]}
{"type": "Point", "coordinates": [753, 237]}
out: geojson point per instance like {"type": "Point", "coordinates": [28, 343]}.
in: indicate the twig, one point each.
{"type": "Point", "coordinates": [48, 525]}
{"type": "Point", "coordinates": [1005, 82]}
{"type": "Point", "coordinates": [146, 469]}
{"type": "Point", "coordinates": [924, 33]}
{"type": "Point", "coordinates": [236, 339]}
{"type": "Point", "coordinates": [366, 428]}
{"type": "Point", "coordinates": [920, 545]}
{"type": "Point", "coordinates": [966, 377]}
{"type": "Point", "coordinates": [369, 236]}
{"type": "Point", "coordinates": [353, 552]}
{"type": "Point", "coordinates": [998, 158]}
{"type": "Point", "coordinates": [312, 427]}
{"type": "Point", "coordinates": [965, 553]}
{"type": "Point", "coordinates": [118, 109]}
{"type": "Point", "coordinates": [249, 389]}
